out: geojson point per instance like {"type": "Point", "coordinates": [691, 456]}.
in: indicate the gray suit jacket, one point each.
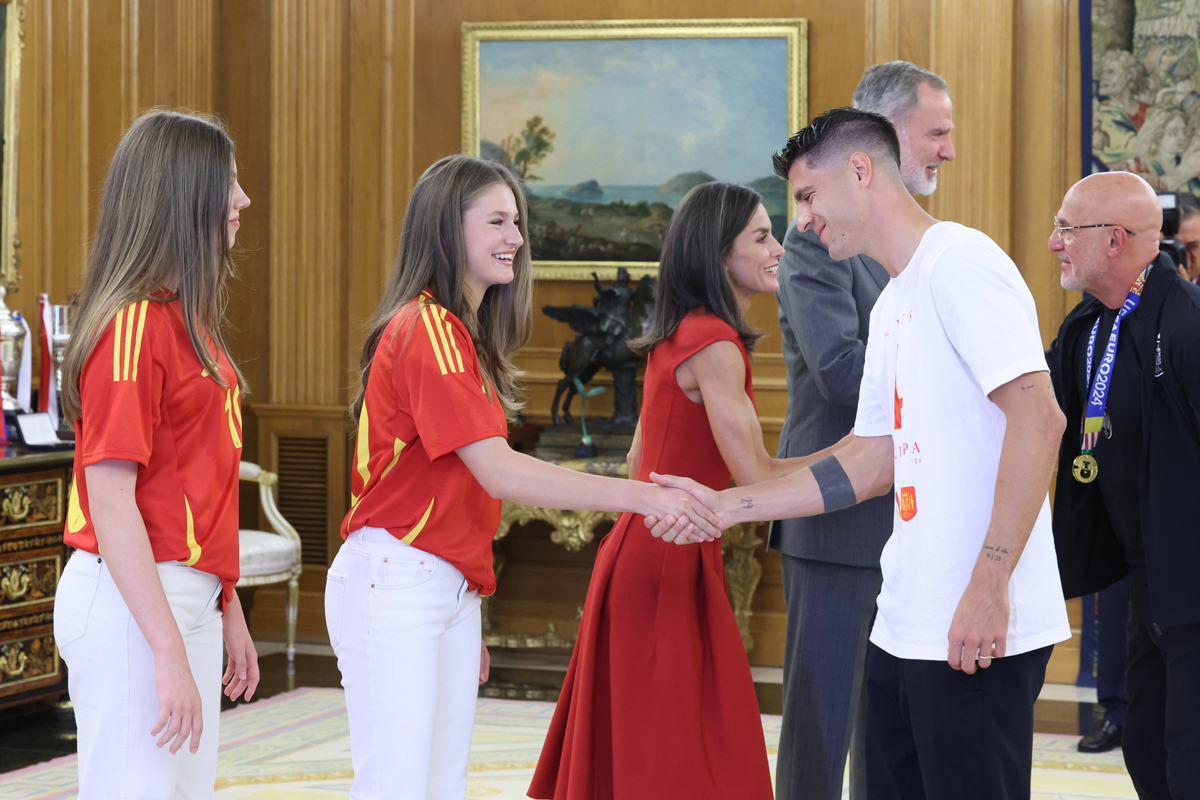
{"type": "Point", "coordinates": [824, 314]}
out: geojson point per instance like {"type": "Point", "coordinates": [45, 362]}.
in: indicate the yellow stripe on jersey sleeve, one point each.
{"type": "Point", "coordinates": [397, 448]}
{"type": "Point", "coordinates": [437, 323]}
{"type": "Point", "coordinates": [442, 336]}
{"type": "Point", "coordinates": [131, 312]}
{"type": "Point", "coordinates": [117, 345]}
{"type": "Point", "coordinates": [75, 518]}
{"type": "Point", "coordinates": [420, 525]}
{"type": "Point", "coordinates": [450, 336]}
{"type": "Point", "coordinates": [433, 342]}
{"type": "Point", "coordinates": [363, 449]}
{"type": "Point", "coordinates": [193, 545]}
{"type": "Point", "coordinates": [141, 326]}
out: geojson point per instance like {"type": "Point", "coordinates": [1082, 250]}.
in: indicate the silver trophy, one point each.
{"type": "Point", "coordinates": [12, 338]}
{"type": "Point", "coordinates": [60, 336]}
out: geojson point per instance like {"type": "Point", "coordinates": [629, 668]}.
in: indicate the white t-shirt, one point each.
{"type": "Point", "coordinates": [955, 325]}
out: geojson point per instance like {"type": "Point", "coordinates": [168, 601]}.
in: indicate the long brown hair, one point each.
{"type": "Point", "coordinates": [163, 220]}
{"type": "Point", "coordinates": [433, 255]}
{"type": "Point", "coordinates": [691, 270]}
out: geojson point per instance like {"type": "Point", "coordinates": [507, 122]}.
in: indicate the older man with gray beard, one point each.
{"type": "Point", "coordinates": [831, 572]}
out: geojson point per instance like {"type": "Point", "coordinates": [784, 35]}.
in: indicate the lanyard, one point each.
{"type": "Point", "coordinates": [1093, 420]}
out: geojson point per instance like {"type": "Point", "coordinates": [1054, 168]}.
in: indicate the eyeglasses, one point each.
{"type": "Point", "coordinates": [1067, 238]}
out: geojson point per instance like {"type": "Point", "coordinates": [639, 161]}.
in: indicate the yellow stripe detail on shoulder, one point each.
{"type": "Point", "coordinates": [193, 545]}
{"type": "Point", "coordinates": [450, 336]}
{"type": "Point", "coordinates": [141, 326]}
{"type": "Point", "coordinates": [230, 404]}
{"type": "Point", "coordinates": [75, 518]}
{"type": "Point", "coordinates": [363, 448]}
{"type": "Point", "coordinates": [130, 313]}
{"type": "Point", "coordinates": [420, 525]}
{"type": "Point", "coordinates": [117, 344]}
{"type": "Point", "coordinates": [397, 448]}
{"type": "Point", "coordinates": [437, 323]}
{"type": "Point", "coordinates": [433, 342]}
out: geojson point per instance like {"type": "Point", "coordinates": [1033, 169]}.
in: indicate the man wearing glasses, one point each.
{"type": "Point", "coordinates": [1126, 371]}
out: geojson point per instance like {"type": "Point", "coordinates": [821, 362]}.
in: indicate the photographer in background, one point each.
{"type": "Point", "coordinates": [1125, 502]}
{"type": "Point", "coordinates": [1189, 236]}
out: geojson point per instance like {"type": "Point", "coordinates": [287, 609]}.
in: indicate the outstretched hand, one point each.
{"type": "Point", "coordinates": [674, 528]}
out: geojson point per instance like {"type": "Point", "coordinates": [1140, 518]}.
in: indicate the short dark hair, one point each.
{"type": "Point", "coordinates": [838, 131]}
{"type": "Point", "coordinates": [691, 270]}
{"type": "Point", "coordinates": [1189, 206]}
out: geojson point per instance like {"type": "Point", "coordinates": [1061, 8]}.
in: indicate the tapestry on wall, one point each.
{"type": "Point", "coordinates": [1141, 70]}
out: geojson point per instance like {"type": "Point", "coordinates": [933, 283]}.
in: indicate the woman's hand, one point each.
{"type": "Point", "coordinates": [485, 663]}
{"type": "Point", "coordinates": [179, 713]}
{"type": "Point", "coordinates": [709, 499]}
{"type": "Point", "coordinates": [680, 517]}
{"type": "Point", "coordinates": [241, 674]}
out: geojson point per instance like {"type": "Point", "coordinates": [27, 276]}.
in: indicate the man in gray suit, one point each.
{"type": "Point", "coordinates": [831, 574]}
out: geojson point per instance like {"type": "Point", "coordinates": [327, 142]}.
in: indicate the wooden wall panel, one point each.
{"type": "Point", "coordinates": [971, 46]}
{"type": "Point", "coordinates": [308, 194]}
{"type": "Point", "coordinates": [90, 67]}
{"type": "Point", "coordinates": [1046, 145]}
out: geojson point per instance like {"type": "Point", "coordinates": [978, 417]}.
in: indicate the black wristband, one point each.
{"type": "Point", "coordinates": [835, 486]}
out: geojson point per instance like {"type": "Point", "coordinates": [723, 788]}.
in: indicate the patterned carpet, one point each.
{"type": "Point", "coordinates": [296, 746]}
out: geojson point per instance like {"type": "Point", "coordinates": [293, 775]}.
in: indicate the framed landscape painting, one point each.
{"type": "Point", "coordinates": [610, 123]}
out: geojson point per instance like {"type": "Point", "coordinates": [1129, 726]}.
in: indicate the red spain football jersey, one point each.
{"type": "Point", "coordinates": [425, 398]}
{"type": "Point", "coordinates": [147, 398]}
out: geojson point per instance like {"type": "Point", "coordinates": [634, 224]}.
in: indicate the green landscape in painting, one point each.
{"type": "Point", "coordinates": [608, 136]}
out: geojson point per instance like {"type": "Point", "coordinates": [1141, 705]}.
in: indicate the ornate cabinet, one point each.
{"type": "Point", "coordinates": [33, 500]}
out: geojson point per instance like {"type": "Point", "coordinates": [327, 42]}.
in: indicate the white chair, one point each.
{"type": "Point", "coordinates": [271, 557]}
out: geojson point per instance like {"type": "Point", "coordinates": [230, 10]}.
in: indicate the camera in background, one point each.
{"type": "Point", "coordinates": [1181, 232]}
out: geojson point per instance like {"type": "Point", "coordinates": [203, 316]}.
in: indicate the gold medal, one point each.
{"type": "Point", "coordinates": [1085, 469]}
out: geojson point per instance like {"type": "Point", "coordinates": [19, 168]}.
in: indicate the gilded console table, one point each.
{"type": "Point", "coordinates": [33, 497]}
{"type": "Point", "coordinates": [574, 529]}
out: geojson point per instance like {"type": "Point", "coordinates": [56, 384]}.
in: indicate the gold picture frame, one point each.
{"type": "Point", "coordinates": [793, 31]}
{"type": "Point", "coordinates": [10, 232]}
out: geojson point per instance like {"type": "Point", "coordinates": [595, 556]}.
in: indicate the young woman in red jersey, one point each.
{"type": "Point", "coordinates": [147, 597]}
{"type": "Point", "coordinates": [658, 700]}
{"type": "Point", "coordinates": [431, 467]}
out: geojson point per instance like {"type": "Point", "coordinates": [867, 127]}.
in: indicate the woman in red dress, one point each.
{"type": "Point", "coordinates": [658, 701]}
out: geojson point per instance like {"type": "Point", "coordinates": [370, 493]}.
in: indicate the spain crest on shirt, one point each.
{"type": "Point", "coordinates": [906, 501]}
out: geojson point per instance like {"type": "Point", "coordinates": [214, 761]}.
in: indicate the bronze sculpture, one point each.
{"type": "Point", "coordinates": [619, 312]}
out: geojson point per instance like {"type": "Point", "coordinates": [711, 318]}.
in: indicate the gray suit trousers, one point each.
{"type": "Point", "coordinates": [831, 608]}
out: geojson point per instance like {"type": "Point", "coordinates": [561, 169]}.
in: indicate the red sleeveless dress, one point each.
{"type": "Point", "coordinates": [658, 700]}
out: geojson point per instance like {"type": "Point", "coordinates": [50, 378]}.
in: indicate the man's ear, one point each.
{"type": "Point", "coordinates": [1118, 240]}
{"type": "Point", "coordinates": [862, 168]}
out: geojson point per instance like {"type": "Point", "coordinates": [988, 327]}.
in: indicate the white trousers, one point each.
{"type": "Point", "coordinates": [406, 633]}
{"type": "Point", "coordinates": [112, 684]}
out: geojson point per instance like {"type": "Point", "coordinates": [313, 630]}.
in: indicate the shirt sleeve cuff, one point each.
{"type": "Point", "coordinates": [92, 457]}
{"type": "Point", "coordinates": [994, 380]}
{"type": "Point", "coordinates": [862, 431]}
{"type": "Point", "coordinates": [436, 450]}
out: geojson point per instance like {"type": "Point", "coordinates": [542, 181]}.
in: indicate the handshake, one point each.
{"type": "Point", "coordinates": [682, 511]}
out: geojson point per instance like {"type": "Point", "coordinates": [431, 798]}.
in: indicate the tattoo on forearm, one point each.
{"type": "Point", "coordinates": [835, 486]}
{"type": "Point", "coordinates": [1026, 388]}
{"type": "Point", "coordinates": [994, 553]}
{"type": "Point", "coordinates": [747, 502]}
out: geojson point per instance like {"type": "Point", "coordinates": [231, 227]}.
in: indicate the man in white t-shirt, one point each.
{"type": "Point", "coordinates": [957, 411]}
